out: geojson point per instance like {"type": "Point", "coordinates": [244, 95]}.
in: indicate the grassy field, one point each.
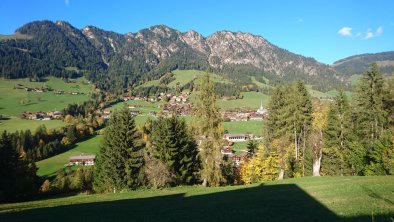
{"type": "Point", "coordinates": [183, 77]}
{"type": "Point", "coordinates": [302, 199]}
{"type": "Point", "coordinates": [143, 106]}
{"type": "Point", "coordinates": [250, 100]}
{"type": "Point", "coordinates": [13, 102]}
{"type": "Point", "coordinates": [14, 123]}
{"type": "Point", "coordinates": [252, 126]}
{"type": "Point", "coordinates": [260, 84]}
{"type": "Point", "coordinates": [50, 166]}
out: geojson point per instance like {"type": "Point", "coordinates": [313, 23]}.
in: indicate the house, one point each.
{"type": "Point", "coordinates": [238, 159]}
{"type": "Point", "coordinates": [257, 117]}
{"type": "Point", "coordinates": [237, 137]}
{"type": "Point", "coordinates": [85, 160]}
{"type": "Point", "coordinates": [226, 150]}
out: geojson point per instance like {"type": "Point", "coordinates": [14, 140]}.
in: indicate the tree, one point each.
{"type": "Point", "coordinates": [316, 138]}
{"type": "Point", "coordinates": [120, 158]}
{"type": "Point", "coordinates": [17, 172]}
{"type": "Point", "coordinates": [251, 147]}
{"type": "Point", "coordinates": [261, 167]}
{"type": "Point", "coordinates": [371, 116]}
{"type": "Point", "coordinates": [173, 144]}
{"type": "Point", "coordinates": [338, 137]}
{"type": "Point", "coordinates": [284, 149]}
{"type": "Point", "coordinates": [290, 117]}
{"type": "Point", "coordinates": [71, 134]}
{"type": "Point", "coordinates": [210, 131]}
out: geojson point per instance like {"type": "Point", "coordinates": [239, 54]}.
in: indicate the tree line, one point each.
{"type": "Point", "coordinates": [306, 137]}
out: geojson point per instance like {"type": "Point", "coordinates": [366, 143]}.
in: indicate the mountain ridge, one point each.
{"type": "Point", "coordinates": [151, 52]}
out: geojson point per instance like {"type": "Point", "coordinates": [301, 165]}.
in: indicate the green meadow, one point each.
{"type": "Point", "coordinates": [249, 100]}
{"type": "Point", "coordinates": [13, 101]}
{"type": "Point", "coordinates": [300, 199]}
{"type": "Point", "coordinates": [50, 166]}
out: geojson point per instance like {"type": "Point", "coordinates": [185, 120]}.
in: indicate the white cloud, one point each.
{"type": "Point", "coordinates": [345, 31]}
{"type": "Point", "coordinates": [379, 30]}
{"type": "Point", "coordinates": [371, 34]}
{"type": "Point", "coordinates": [66, 2]}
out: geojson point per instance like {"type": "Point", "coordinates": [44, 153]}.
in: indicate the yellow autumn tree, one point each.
{"type": "Point", "coordinates": [284, 150]}
{"type": "Point", "coordinates": [261, 167]}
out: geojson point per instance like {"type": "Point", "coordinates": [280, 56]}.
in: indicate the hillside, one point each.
{"type": "Point", "coordinates": [302, 199]}
{"type": "Point", "coordinates": [357, 64]}
{"type": "Point", "coordinates": [115, 61]}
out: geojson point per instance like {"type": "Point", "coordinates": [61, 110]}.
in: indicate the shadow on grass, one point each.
{"type": "Point", "coordinates": [263, 203]}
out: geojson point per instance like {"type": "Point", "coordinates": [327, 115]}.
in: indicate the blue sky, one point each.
{"type": "Point", "coordinates": [327, 30]}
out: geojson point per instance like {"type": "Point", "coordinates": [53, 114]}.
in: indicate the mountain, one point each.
{"type": "Point", "coordinates": [114, 60]}
{"type": "Point", "coordinates": [357, 64]}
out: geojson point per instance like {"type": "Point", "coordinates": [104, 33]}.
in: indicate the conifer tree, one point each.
{"type": "Point", "coordinates": [17, 172]}
{"type": "Point", "coordinates": [120, 158]}
{"type": "Point", "coordinates": [290, 110]}
{"type": "Point", "coordinates": [173, 144]}
{"type": "Point", "coordinates": [370, 110]}
{"type": "Point", "coordinates": [210, 132]}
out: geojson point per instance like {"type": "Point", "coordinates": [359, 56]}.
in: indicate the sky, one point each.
{"type": "Point", "coordinates": [327, 30]}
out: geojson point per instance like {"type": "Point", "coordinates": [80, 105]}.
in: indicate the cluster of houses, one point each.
{"type": "Point", "coordinates": [245, 115]}
{"type": "Point", "coordinates": [28, 89]}
{"type": "Point", "coordinates": [229, 151]}
{"type": "Point", "coordinates": [42, 115]}
{"type": "Point", "coordinates": [61, 92]}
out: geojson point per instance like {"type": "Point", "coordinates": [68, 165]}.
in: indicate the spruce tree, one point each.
{"type": "Point", "coordinates": [120, 158]}
{"type": "Point", "coordinates": [210, 132]}
{"type": "Point", "coordinates": [173, 144]}
{"type": "Point", "coordinates": [17, 171]}
{"type": "Point", "coordinates": [371, 115]}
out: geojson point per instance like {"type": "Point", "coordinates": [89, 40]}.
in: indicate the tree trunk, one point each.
{"type": "Point", "coordinates": [281, 174]}
{"type": "Point", "coordinates": [295, 144]}
{"type": "Point", "coordinates": [317, 164]}
{"type": "Point", "coordinates": [205, 182]}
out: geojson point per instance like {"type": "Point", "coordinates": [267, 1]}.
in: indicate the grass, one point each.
{"type": "Point", "coordinates": [250, 100]}
{"type": "Point", "coordinates": [251, 126]}
{"type": "Point", "coordinates": [13, 102]}
{"type": "Point", "coordinates": [260, 84]}
{"type": "Point", "coordinates": [14, 123]}
{"type": "Point", "coordinates": [143, 106]}
{"type": "Point", "coordinates": [50, 166]}
{"type": "Point", "coordinates": [239, 147]}
{"type": "Point", "coordinates": [302, 199]}
{"type": "Point", "coordinates": [185, 76]}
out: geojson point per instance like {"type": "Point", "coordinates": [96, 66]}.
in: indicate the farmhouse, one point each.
{"type": "Point", "coordinates": [226, 150]}
{"type": "Point", "coordinates": [237, 137]}
{"type": "Point", "coordinates": [86, 160]}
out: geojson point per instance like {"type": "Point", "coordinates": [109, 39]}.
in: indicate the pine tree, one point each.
{"type": "Point", "coordinates": [17, 172]}
{"type": "Point", "coordinates": [120, 158]}
{"type": "Point", "coordinates": [210, 131]}
{"type": "Point", "coordinates": [290, 117]}
{"type": "Point", "coordinates": [175, 146]}
{"type": "Point", "coordinates": [370, 110]}
{"type": "Point", "coordinates": [341, 150]}
{"type": "Point", "coordinates": [251, 147]}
